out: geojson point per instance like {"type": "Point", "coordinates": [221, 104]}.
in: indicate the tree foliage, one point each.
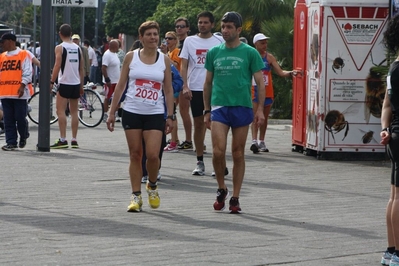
{"type": "Point", "coordinates": [125, 16]}
{"type": "Point", "coordinates": [169, 10]}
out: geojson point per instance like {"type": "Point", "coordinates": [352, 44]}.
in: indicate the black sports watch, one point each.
{"type": "Point", "coordinates": [207, 112]}
{"type": "Point", "coordinates": [172, 117]}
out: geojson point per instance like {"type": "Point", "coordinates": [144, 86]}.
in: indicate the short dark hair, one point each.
{"type": "Point", "coordinates": [391, 35]}
{"type": "Point", "coordinates": [148, 25]}
{"type": "Point", "coordinates": [136, 44]}
{"type": "Point", "coordinates": [206, 14]}
{"type": "Point", "coordinates": [66, 30]}
{"type": "Point", "coordinates": [233, 17]}
{"type": "Point", "coordinates": [183, 19]}
{"type": "Point", "coordinates": [87, 42]}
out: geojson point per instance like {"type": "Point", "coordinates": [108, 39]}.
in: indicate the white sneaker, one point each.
{"type": "Point", "coordinates": [105, 117]}
{"type": "Point", "coordinates": [262, 147]}
{"type": "Point", "coordinates": [144, 179]}
{"type": "Point", "coordinates": [200, 169]}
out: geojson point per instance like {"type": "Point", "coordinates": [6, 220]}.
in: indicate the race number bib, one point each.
{"type": "Point", "coordinates": [147, 91]}
{"type": "Point", "coordinates": [201, 56]}
{"type": "Point", "coordinates": [265, 77]}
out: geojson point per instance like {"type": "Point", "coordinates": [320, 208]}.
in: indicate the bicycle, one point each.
{"type": "Point", "coordinates": [91, 108]}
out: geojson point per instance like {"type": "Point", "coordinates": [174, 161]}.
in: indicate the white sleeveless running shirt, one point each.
{"type": "Point", "coordinates": [69, 72]}
{"type": "Point", "coordinates": [145, 91]}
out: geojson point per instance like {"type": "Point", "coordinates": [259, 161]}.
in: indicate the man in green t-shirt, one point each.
{"type": "Point", "coordinates": [227, 88]}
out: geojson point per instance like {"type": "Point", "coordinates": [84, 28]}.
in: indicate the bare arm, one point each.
{"type": "Point", "coordinates": [57, 63]}
{"type": "Point", "coordinates": [259, 116]}
{"type": "Point", "coordinates": [386, 117]}
{"type": "Point", "coordinates": [105, 74]}
{"type": "Point", "coordinates": [36, 61]}
{"type": "Point", "coordinates": [273, 62]}
{"type": "Point", "coordinates": [120, 87]}
{"type": "Point", "coordinates": [207, 97]}
{"type": "Point", "coordinates": [183, 73]}
{"type": "Point", "coordinates": [81, 71]}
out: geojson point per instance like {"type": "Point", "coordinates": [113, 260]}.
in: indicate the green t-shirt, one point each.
{"type": "Point", "coordinates": [232, 70]}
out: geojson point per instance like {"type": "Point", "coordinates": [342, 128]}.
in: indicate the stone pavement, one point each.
{"type": "Point", "coordinates": [68, 207]}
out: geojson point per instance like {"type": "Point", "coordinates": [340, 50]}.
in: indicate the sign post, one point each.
{"type": "Point", "coordinates": [45, 71]}
{"type": "Point", "coordinates": [70, 3]}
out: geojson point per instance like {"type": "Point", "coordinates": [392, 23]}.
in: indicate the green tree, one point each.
{"type": "Point", "coordinates": [125, 16]}
{"type": "Point", "coordinates": [280, 45]}
{"type": "Point", "coordinates": [169, 10]}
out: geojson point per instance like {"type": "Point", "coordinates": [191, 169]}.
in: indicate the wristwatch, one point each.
{"type": "Point", "coordinates": [171, 117]}
{"type": "Point", "coordinates": [207, 112]}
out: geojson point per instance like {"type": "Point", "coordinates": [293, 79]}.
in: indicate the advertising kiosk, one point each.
{"type": "Point", "coordinates": [343, 78]}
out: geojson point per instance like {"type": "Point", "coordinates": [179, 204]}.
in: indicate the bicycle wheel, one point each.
{"type": "Point", "coordinates": [33, 108]}
{"type": "Point", "coordinates": [91, 109]}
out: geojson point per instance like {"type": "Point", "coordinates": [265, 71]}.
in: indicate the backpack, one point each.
{"type": "Point", "coordinates": [177, 81]}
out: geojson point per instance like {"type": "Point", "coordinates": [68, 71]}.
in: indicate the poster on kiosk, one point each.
{"type": "Point", "coordinates": [345, 77]}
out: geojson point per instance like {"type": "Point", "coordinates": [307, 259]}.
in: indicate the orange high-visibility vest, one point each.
{"type": "Point", "coordinates": [11, 74]}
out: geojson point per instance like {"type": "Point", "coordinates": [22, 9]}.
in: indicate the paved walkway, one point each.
{"type": "Point", "coordinates": [68, 207]}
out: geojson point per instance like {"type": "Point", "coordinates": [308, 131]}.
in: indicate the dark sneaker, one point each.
{"type": "Point", "coordinates": [234, 205]}
{"type": "Point", "coordinates": [74, 144]}
{"type": "Point", "coordinates": [9, 147]}
{"type": "Point", "coordinates": [22, 143]}
{"type": "Point", "coordinates": [60, 144]}
{"type": "Point", "coordinates": [254, 148]}
{"type": "Point", "coordinates": [185, 145]}
{"type": "Point", "coordinates": [221, 196]}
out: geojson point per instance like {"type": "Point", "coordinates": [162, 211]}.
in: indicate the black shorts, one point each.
{"type": "Point", "coordinates": [197, 103]}
{"type": "Point", "coordinates": [69, 91]}
{"type": "Point", "coordinates": [144, 122]}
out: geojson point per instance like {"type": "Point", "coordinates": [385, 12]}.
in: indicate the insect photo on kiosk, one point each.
{"type": "Point", "coordinates": [335, 121]}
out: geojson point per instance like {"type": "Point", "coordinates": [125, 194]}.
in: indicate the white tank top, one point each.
{"type": "Point", "coordinates": [145, 91]}
{"type": "Point", "coordinates": [69, 72]}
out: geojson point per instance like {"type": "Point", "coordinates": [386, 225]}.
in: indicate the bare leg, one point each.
{"type": "Point", "coordinates": [73, 109]}
{"type": "Point", "coordinates": [219, 142]}
{"type": "Point", "coordinates": [262, 131]}
{"type": "Point", "coordinates": [106, 104]}
{"type": "Point", "coordinates": [134, 142]}
{"type": "Point", "coordinates": [238, 144]}
{"type": "Point", "coordinates": [254, 128]}
{"type": "Point", "coordinates": [152, 139]}
{"type": "Point", "coordinates": [185, 115]}
{"type": "Point", "coordinates": [391, 242]}
{"type": "Point", "coordinates": [395, 218]}
{"type": "Point", "coordinates": [61, 104]}
{"type": "Point", "coordinates": [199, 134]}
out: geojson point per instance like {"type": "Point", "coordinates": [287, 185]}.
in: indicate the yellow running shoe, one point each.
{"type": "Point", "coordinates": [153, 197]}
{"type": "Point", "coordinates": [136, 203]}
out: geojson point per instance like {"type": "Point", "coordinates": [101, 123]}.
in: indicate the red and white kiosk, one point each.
{"type": "Point", "coordinates": [337, 98]}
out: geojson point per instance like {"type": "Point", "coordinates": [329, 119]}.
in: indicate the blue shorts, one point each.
{"type": "Point", "coordinates": [233, 116]}
{"type": "Point", "coordinates": [268, 101]}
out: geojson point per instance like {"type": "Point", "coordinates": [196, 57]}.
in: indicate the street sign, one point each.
{"type": "Point", "coordinates": [70, 3]}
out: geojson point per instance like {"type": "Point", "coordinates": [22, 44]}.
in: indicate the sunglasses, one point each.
{"type": "Point", "coordinates": [170, 38]}
{"type": "Point", "coordinates": [180, 26]}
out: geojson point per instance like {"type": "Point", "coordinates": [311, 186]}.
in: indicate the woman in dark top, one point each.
{"type": "Point", "coordinates": [390, 137]}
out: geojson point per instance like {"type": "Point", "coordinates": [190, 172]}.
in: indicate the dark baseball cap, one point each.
{"type": "Point", "coordinates": [8, 36]}
{"type": "Point", "coordinates": [234, 17]}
